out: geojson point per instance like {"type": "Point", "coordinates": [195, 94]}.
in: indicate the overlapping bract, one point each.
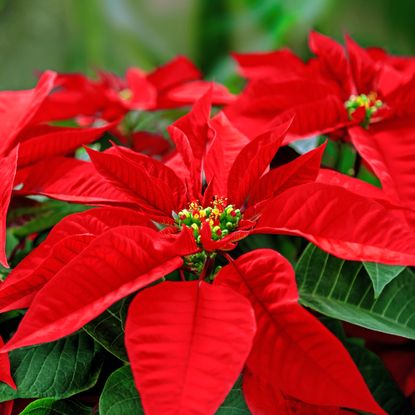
{"type": "Point", "coordinates": [319, 92]}
{"type": "Point", "coordinates": [290, 194]}
{"type": "Point", "coordinates": [27, 138]}
{"type": "Point", "coordinates": [188, 341]}
{"type": "Point", "coordinates": [293, 355]}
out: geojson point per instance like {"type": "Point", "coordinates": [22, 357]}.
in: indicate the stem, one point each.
{"type": "Point", "coordinates": [228, 257]}
{"type": "Point", "coordinates": [339, 148]}
{"type": "Point", "coordinates": [206, 267]}
{"type": "Point", "coordinates": [357, 164]}
{"type": "Point", "coordinates": [181, 273]}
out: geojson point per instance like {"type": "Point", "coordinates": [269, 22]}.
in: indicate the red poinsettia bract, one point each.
{"type": "Point", "coordinates": [26, 142]}
{"type": "Point", "coordinates": [362, 95]}
{"type": "Point", "coordinates": [175, 84]}
{"type": "Point", "coordinates": [249, 314]}
{"type": "Point", "coordinates": [28, 139]}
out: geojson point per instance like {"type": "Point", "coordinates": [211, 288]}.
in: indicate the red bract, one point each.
{"type": "Point", "coordinates": [5, 375]}
{"type": "Point", "coordinates": [6, 407]}
{"type": "Point", "coordinates": [361, 88]}
{"type": "Point", "coordinates": [284, 200]}
{"type": "Point", "coordinates": [173, 85]}
{"type": "Point", "coordinates": [25, 142]}
{"type": "Point", "coordinates": [222, 191]}
{"type": "Point", "coordinates": [187, 343]}
{"type": "Point", "coordinates": [293, 355]}
{"type": "Point", "coordinates": [365, 96]}
{"type": "Point", "coordinates": [24, 114]}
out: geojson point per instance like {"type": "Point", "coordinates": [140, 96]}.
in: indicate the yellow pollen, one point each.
{"type": "Point", "coordinates": [126, 94]}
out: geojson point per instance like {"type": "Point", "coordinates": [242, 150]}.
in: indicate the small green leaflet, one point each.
{"type": "Point", "coordinates": [382, 274]}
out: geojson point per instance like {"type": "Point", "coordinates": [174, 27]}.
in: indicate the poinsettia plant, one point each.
{"type": "Point", "coordinates": [166, 291]}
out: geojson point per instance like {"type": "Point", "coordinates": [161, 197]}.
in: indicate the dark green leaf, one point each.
{"type": "Point", "coordinates": [119, 396]}
{"type": "Point", "coordinates": [108, 328]}
{"type": "Point", "coordinates": [343, 290]}
{"type": "Point", "coordinates": [234, 404]}
{"type": "Point", "coordinates": [50, 406]}
{"type": "Point", "coordinates": [382, 274]}
{"type": "Point", "coordinates": [44, 216]}
{"type": "Point", "coordinates": [54, 370]}
{"type": "Point", "coordinates": [285, 246]}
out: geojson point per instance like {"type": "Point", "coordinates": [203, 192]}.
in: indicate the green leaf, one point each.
{"type": "Point", "coordinates": [108, 329]}
{"type": "Point", "coordinates": [44, 216]}
{"type": "Point", "coordinates": [343, 290]}
{"type": "Point", "coordinates": [382, 274]}
{"type": "Point", "coordinates": [50, 406]}
{"type": "Point", "coordinates": [285, 246]}
{"type": "Point", "coordinates": [119, 395]}
{"type": "Point", "coordinates": [54, 370]}
{"type": "Point", "coordinates": [234, 404]}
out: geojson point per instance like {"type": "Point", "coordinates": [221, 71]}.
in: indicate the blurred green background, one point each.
{"type": "Point", "coordinates": [80, 35]}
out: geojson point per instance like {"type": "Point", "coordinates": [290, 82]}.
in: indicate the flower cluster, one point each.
{"type": "Point", "coordinates": [220, 217]}
{"type": "Point", "coordinates": [161, 222]}
{"type": "Point", "coordinates": [369, 103]}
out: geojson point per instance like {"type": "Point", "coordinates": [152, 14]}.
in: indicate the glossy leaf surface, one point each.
{"type": "Point", "coordinates": [343, 290]}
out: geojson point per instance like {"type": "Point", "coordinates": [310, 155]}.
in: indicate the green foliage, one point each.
{"type": "Point", "coordinates": [108, 329]}
{"type": "Point", "coordinates": [49, 406]}
{"type": "Point", "coordinates": [343, 290]}
{"type": "Point", "coordinates": [42, 217]}
{"type": "Point", "coordinates": [54, 370]}
{"type": "Point", "coordinates": [119, 395]}
{"type": "Point", "coordinates": [234, 404]}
